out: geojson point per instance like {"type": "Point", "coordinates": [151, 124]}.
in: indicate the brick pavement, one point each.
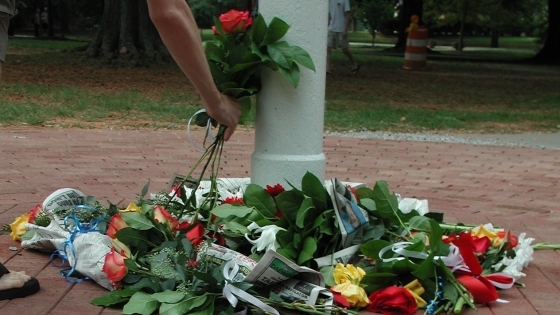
{"type": "Point", "coordinates": [516, 188]}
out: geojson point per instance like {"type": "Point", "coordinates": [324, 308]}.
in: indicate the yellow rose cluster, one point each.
{"type": "Point", "coordinates": [347, 279]}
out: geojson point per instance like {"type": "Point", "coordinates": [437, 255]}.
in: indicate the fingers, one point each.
{"type": "Point", "coordinates": [228, 132]}
{"type": "Point", "coordinates": [227, 113]}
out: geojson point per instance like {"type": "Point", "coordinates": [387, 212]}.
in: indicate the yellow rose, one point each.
{"type": "Point", "coordinates": [354, 294]}
{"type": "Point", "coordinates": [18, 227]}
{"type": "Point", "coordinates": [481, 231]}
{"type": "Point", "coordinates": [132, 207]}
{"type": "Point", "coordinates": [416, 289]}
{"type": "Point", "coordinates": [348, 273]}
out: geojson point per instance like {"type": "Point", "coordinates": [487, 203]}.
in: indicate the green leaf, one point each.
{"type": "Point", "coordinates": [314, 188]}
{"type": "Point", "coordinates": [368, 204]}
{"type": "Point", "coordinates": [387, 203]}
{"type": "Point", "coordinates": [436, 234]}
{"type": "Point", "coordinates": [130, 236]}
{"type": "Point", "coordinates": [184, 306]}
{"type": "Point", "coordinates": [303, 210]}
{"type": "Point", "coordinates": [308, 250]}
{"type": "Point", "coordinates": [327, 272]}
{"type": "Point", "coordinates": [373, 232]}
{"type": "Point", "coordinates": [281, 53]}
{"type": "Point", "coordinates": [255, 196]}
{"type": "Point", "coordinates": [404, 267]}
{"type": "Point", "coordinates": [236, 227]}
{"type": "Point", "coordinates": [303, 58]}
{"type": "Point", "coordinates": [289, 203]}
{"type": "Point", "coordinates": [218, 25]}
{"type": "Point", "coordinates": [258, 30]}
{"type": "Point", "coordinates": [168, 296]}
{"type": "Point", "coordinates": [145, 189]}
{"type": "Point", "coordinates": [289, 255]}
{"type": "Point", "coordinates": [137, 221]}
{"type": "Point", "coordinates": [140, 303]}
{"type": "Point", "coordinates": [371, 249]}
{"type": "Point", "coordinates": [226, 210]}
{"type": "Point", "coordinates": [246, 104]}
{"type": "Point", "coordinates": [276, 30]}
{"type": "Point", "coordinates": [205, 277]}
{"type": "Point", "coordinates": [109, 299]}
{"type": "Point", "coordinates": [378, 278]}
{"type": "Point", "coordinates": [291, 75]}
{"type": "Point", "coordinates": [426, 268]}
{"type": "Point", "coordinates": [206, 308]}
{"type": "Point", "coordinates": [419, 223]}
{"type": "Point", "coordinates": [130, 265]}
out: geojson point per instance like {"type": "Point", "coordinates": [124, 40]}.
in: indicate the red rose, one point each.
{"type": "Point", "coordinates": [392, 301]}
{"type": "Point", "coordinates": [163, 216]}
{"type": "Point", "coordinates": [196, 234]}
{"type": "Point", "coordinates": [117, 223]}
{"type": "Point", "coordinates": [34, 212]}
{"type": "Point", "coordinates": [512, 239]}
{"type": "Point", "coordinates": [235, 21]}
{"type": "Point", "coordinates": [175, 190]}
{"type": "Point", "coordinates": [274, 190]}
{"type": "Point", "coordinates": [340, 300]}
{"type": "Point", "coordinates": [233, 200]}
{"type": "Point", "coordinates": [114, 266]}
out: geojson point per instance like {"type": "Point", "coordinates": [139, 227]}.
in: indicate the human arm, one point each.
{"type": "Point", "coordinates": [178, 30]}
{"type": "Point", "coordinates": [347, 18]}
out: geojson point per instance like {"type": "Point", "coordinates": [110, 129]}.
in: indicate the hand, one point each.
{"type": "Point", "coordinates": [226, 113]}
{"type": "Point", "coordinates": [345, 34]}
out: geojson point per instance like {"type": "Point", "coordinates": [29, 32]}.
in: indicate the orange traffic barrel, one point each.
{"type": "Point", "coordinates": [415, 53]}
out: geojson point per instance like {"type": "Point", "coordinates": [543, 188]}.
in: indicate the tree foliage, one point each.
{"type": "Point", "coordinates": [376, 15]}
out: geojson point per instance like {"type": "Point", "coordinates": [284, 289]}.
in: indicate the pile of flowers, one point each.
{"type": "Point", "coordinates": [168, 255]}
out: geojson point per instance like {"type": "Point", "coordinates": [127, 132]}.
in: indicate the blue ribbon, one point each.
{"type": "Point", "coordinates": [68, 246]}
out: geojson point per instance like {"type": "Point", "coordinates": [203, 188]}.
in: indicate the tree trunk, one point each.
{"type": "Point", "coordinates": [550, 52]}
{"type": "Point", "coordinates": [494, 36]}
{"type": "Point", "coordinates": [127, 33]}
{"type": "Point", "coordinates": [64, 27]}
{"type": "Point", "coordinates": [461, 43]}
{"type": "Point", "coordinates": [50, 28]}
{"type": "Point", "coordinates": [408, 9]}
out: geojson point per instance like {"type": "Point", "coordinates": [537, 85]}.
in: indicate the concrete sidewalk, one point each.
{"type": "Point", "coordinates": [514, 187]}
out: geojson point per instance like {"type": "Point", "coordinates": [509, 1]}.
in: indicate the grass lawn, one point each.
{"type": "Point", "coordinates": [47, 85]}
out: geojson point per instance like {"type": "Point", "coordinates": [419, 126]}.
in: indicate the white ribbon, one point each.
{"type": "Point", "coordinates": [231, 292]}
{"type": "Point", "coordinates": [452, 259]}
{"type": "Point", "coordinates": [208, 131]}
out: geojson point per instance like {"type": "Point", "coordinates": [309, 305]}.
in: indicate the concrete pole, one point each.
{"type": "Point", "coordinates": [290, 121]}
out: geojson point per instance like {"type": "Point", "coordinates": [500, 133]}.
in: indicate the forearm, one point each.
{"type": "Point", "coordinates": [348, 18]}
{"type": "Point", "coordinates": [178, 30]}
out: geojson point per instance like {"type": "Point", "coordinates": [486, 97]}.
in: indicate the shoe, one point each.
{"type": "Point", "coordinates": [29, 288]}
{"type": "Point", "coordinates": [356, 70]}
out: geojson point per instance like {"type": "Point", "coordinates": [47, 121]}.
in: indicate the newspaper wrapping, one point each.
{"type": "Point", "coordinates": [352, 219]}
{"type": "Point", "coordinates": [85, 252]}
{"type": "Point", "coordinates": [289, 280]}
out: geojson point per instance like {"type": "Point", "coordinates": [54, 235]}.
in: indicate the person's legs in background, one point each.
{"type": "Point", "coordinates": [331, 43]}
{"type": "Point", "coordinates": [345, 46]}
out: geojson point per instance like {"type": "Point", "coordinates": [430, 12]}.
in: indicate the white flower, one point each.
{"type": "Point", "coordinates": [523, 256]}
{"type": "Point", "coordinates": [408, 204]}
{"type": "Point", "coordinates": [267, 240]}
{"type": "Point", "coordinates": [524, 250]}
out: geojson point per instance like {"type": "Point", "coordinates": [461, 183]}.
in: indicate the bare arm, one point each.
{"type": "Point", "coordinates": [348, 18]}
{"type": "Point", "coordinates": [178, 30]}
